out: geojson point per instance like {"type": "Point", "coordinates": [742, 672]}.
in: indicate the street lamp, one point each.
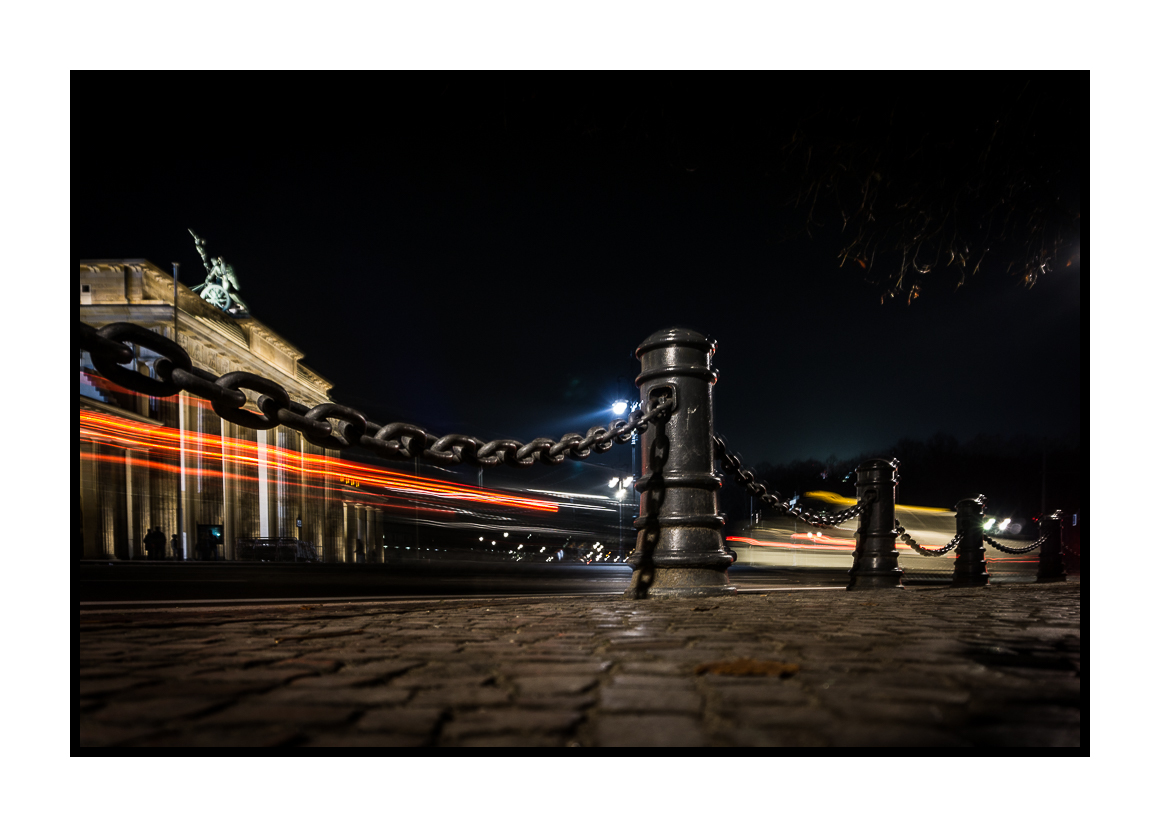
{"type": "Point", "coordinates": [621, 404]}
{"type": "Point", "coordinates": [622, 485]}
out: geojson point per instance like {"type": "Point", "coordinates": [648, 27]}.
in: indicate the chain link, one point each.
{"type": "Point", "coordinates": [1009, 550]}
{"type": "Point", "coordinates": [926, 552]}
{"type": "Point", "coordinates": [732, 464]}
{"type": "Point", "coordinates": [96, 344]}
{"type": "Point", "coordinates": [109, 348]}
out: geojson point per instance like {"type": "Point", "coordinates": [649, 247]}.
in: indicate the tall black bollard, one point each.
{"type": "Point", "coordinates": [680, 545]}
{"type": "Point", "coordinates": [971, 563]}
{"type": "Point", "coordinates": [875, 557]}
{"type": "Point", "coordinates": [1051, 552]}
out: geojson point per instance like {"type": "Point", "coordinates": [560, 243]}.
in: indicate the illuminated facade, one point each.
{"type": "Point", "coordinates": [144, 461]}
{"type": "Point", "coordinates": [173, 463]}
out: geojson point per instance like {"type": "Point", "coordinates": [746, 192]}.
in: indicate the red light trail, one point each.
{"type": "Point", "coordinates": [818, 542]}
{"type": "Point", "coordinates": [161, 441]}
{"type": "Point", "coordinates": [840, 544]}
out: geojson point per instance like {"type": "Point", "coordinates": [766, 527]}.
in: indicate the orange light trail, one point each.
{"type": "Point", "coordinates": [116, 432]}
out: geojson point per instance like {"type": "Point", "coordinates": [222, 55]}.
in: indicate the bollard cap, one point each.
{"type": "Point", "coordinates": [881, 463]}
{"type": "Point", "coordinates": [976, 503]}
{"type": "Point", "coordinates": [677, 336]}
{"type": "Point", "coordinates": [877, 472]}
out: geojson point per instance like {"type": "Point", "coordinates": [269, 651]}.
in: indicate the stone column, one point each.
{"type": "Point", "coordinates": [349, 532]}
{"type": "Point", "coordinates": [134, 539]}
{"type": "Point", "coordinates": [229, 491]}
{"type": "Point", "coordinates": [186, 536]}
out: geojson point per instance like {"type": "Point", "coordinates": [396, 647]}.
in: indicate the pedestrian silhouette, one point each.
{"type": "Point", "coordinates": [154, 544]}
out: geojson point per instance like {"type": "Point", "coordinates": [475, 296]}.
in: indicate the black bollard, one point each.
{"type": "Point", "coordinates": [1051, 552]}
{"type": "Point", "coordinates": [875, 555]}
{"type": "Point", "coordinates": [680, 549]}
{"type": "Point", "coordinates": [971, 563]}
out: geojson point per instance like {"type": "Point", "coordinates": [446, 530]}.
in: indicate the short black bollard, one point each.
{"type": "Point", "coordinates": [875, 555]}
{"type": "Point", "coordinates": [680, 547]}
{"type": "Point", "coordinates": [971, 563]}
{"type": "Point", "coordinates": [1051, 552]}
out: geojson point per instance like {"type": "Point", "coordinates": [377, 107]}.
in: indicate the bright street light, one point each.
{"type": "Point", "coordinates": [619, 407]}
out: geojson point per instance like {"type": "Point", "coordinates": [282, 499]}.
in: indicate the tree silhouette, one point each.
{"type": "Point", "coordinates": [993, 169]}
{"type": "Point", "coordinates": [915, 180]}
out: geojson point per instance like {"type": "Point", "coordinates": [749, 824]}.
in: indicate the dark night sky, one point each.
{"type": "Point", "coordinates": [482, 253]}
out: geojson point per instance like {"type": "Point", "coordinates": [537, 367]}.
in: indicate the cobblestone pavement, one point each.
{"type": "Point", "coordinates": [921, 669]}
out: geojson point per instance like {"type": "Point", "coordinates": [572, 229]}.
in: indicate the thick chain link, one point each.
{"type": "Point", "coordinates": [1010, 550]}
{"type": "Point", "coordinates": [732, 464]}
{"type": "Point", "coordinates": [398, 440]}
{"type": "Point", "coordinates": [926, 552]}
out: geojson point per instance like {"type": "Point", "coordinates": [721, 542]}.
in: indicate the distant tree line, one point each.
{"type": "Point", "coordinates": [940, 471]}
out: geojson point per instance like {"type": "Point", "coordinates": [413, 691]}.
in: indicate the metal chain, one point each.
{"type": "Point", "coordinates": [926, 552]}
{"type": "Point", "coordinates": [732, 464]}
{"type": "Point", "coordinates": [1009, 550]}
{"type": "Point", "coordinates": [109, 349]}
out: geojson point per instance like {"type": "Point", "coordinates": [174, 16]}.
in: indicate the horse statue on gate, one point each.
{"type": "Point", "coordinates": [220, 287]}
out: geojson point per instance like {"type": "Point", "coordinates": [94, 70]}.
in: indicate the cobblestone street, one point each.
{"type": "Point", "coordinates": [922, 669]}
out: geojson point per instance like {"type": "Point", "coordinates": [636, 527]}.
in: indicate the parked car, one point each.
{"type": "Point", "coordinates": [276, 549]}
